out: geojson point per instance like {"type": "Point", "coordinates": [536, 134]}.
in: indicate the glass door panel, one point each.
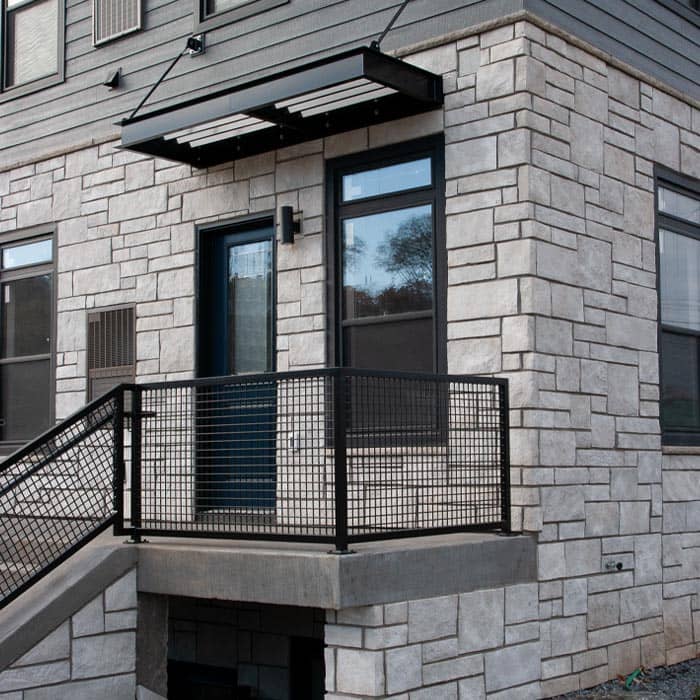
{"type": "Point", "coordinates": [26, 317]}
{"type": "Point", "coordinates": [249, 307]}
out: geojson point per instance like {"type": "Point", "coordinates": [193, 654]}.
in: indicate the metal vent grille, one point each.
{"type": "Point", "coordinates": [113, 18]}
{"type": "Point", "coordinates": [111, 349]}
{"type": "Point", "coordinates": [111, 338]}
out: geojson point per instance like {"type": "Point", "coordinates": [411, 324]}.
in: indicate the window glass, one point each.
{"type": "Point", "coordinates": [391, 178]}
{"type": "Point", "coordinates": [388, 262]}
{"type": "Point", "coordinates": [214, 6]}
{"type": "Point", "coordinates": [680, 388]}
{"type": "Point", "coordinates": [250, 307]}
{"type": "Point", "coordinates": [24, 398]}
{"type": "Point", "coordinates": [32, 41]}
{"type": "Point", "coordinates": [26, 316]}
{"type": "Point", "coordinates": [680, 280]}
{"type": "Point", "coordinates": [405, 345]}
{"type": "Point", "coordinates": [27, 254]}
{"type": "Point", "coordinates": [679, 205]}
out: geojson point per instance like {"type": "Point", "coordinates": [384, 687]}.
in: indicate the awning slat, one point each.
{"type": "Point", "coordinates": [346, 91]}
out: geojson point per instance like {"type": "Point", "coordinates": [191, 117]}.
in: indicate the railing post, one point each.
{"type": "Point", "coordinates": [136, 416]}
{"type": "Point", "coordinates": [341, 465]}
{"type": "Point", "coordinates": [118, 461]}
{"type": "Point", "coordinates": [505, 455]}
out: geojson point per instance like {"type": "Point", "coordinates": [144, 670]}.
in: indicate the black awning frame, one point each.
{"type": "Point", "coordinates": [413, 90]}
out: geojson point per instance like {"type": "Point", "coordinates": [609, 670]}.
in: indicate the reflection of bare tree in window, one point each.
{"type": "Point", "coordinates": [408, 254]}
{"type": "Point", "coordinates": [353, 254]}
{"type": "Point", "coordinates": [396, 275]}
{"type": "Point", "coordinates": [409, 251]}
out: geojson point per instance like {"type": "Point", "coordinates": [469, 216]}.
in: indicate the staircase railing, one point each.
{"type": "Point", "coordinates": [58, 492]}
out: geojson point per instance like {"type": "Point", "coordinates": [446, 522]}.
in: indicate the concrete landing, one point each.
{"type": "Point", "coordinates": [308, 575]}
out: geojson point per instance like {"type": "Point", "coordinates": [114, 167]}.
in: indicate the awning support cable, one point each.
{"type": "Point", "coordinates": [376, 44]}
{"type": "Point", "coordinates": [193, 44]}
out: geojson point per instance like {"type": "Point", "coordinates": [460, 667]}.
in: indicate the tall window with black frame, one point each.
{"type": "Point", "coordinates": [678, 222]}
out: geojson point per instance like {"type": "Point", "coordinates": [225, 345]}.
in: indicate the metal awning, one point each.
{"type": "Point", "coordinates": [346, 91]}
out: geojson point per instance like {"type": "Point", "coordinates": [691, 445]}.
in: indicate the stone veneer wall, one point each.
{"type": "Point", "coordinates": [562, 296]}
{"type": "Point", "coordinates": [549, 159]}
{"type": "Point", "coordinates": [448, 648]}
{"type": "Point", "coordinates": [90, 655]}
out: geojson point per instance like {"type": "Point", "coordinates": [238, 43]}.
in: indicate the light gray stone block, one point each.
{"type": "Point", "coordinates": [647, 559]}
{"type": "Point", "coordinates": [432, 618]}
{"type": "Point", "coordinates": [522, 663]}
{"type": "Point", "coordinates": [360, 672]}
{"type": "Point", "coordinates": [103, 655]}
{"type": "Point", "coordinates": [403, 669]}
{"type": "Point", "coordinates": [137, 204]}
{"type": "Point", "coordinates": [521, 603]}
{"type": "Point", "coordinates": [89, 619]}
{"type": "Point", "coordinates": [472, 156]}
{"type": "Point", "coordinates": [444, 691]}
{"type": "Point", "coordinates": [602, 519]}
{"type": "Point", "coordinates": [453, 669]}
{"type": "Point", "coordinates": [582, 557]}
{"type": "Point", "coordinates": [495, 80]}
{"type": "Point", "coordinates": [575, 596]}
{"type": "Point", "coordinates": [472, 689]}
{"type": "Point", "coordinates": [55, 646]}
{"type": "Point", "coordinates": [623, 390]}
{"type": "Point", "coordinates": [481, 620]}
{"type": "Point", "coordinates": [568, 634]}
{"type": "Point", "coordinates": [553, 336]}
{"type": "Point", "coordinates": [34, 676]}
{"type": "Point", "coordinates": [586, 142]}
{"type": "Point", "coordinates": [634, 517]}
{"type": "Point", "coordinates": [112, 688]}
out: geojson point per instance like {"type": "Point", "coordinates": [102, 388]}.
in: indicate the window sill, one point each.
{"type": "Point", "coordinates": [27, 88]}
{"type": "Point", "coordinates": [680, 449]}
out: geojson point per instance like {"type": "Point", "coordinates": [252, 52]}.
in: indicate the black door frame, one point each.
{"type": "Point", "coordinates": [242, 225]}
{"type": "Point", "coordinates": [249, 229]}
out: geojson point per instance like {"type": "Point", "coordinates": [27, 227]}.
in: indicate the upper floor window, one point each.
{"type": "Point", "coordinates": [678, 219]}
{"type": "Point", "coordinates": [114, 18]}
{"type": "Point", "coordinates": [215, 13]}
{"type": "Point", "coordinates": [388, 263]}
{"type": "Point", "coordinates": [32, 43]}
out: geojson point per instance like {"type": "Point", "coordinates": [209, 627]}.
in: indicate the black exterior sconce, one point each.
{"type": "Point", "coordinates": [288, 225]}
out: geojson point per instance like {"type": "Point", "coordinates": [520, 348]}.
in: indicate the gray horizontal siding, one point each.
{"type": "Point", "coordinates": [56, 117]}
{"type": "Point", "coordinates": [658, 38]}
{"type": "Point", "coordinates": [645, 34]}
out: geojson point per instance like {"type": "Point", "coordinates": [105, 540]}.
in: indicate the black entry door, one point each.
{"type": "Point", "coordinates": [236, 419]}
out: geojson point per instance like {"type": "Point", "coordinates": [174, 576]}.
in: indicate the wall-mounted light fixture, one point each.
{"type": "Point", "coordinates": [288, 225]}
{"type": "Point", "coordinates": [195, 45]}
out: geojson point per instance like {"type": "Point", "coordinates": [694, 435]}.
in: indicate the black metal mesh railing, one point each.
{"type": "Point", "coordinates": [56, 493]}
{"type": "Point", "coordinates": [334, 455]}
{"type": "Point", "coordinates": [330, 455]}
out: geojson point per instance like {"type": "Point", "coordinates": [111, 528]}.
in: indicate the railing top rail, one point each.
{"type": "Point", "coordinates": [316, 373]}
{"type": "Point", "coordinates": [57, 429]}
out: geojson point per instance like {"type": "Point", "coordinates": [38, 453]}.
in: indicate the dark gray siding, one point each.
{"type": "Point", "coordinates": [82, 108]}
{"type": "Point", "coordinates": [659, 38]}
{"type": "Point", "coordinates": [645, 33]}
